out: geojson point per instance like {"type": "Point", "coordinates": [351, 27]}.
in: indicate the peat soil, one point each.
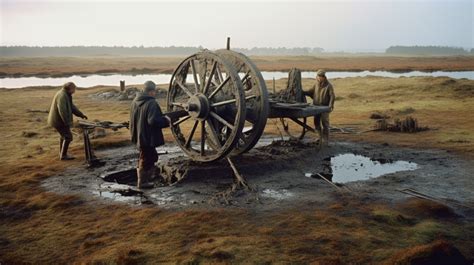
{"type": "Point", "coordinates": [281, 174]}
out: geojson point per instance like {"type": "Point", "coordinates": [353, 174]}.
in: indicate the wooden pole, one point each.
{"type": "Point", "coordinates": [274, 90]}
{"type": "Point", "coordinates": [240, 180]}
{"type": "Point", "coordinates": [122, 85]}
{"type": "Point", "coordinates": [328, 181]}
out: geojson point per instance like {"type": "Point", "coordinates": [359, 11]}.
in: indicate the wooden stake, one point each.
{"type": "Point", "coordinates": [240, 179]}
{"type": "Point", "coordinates": [328, 181]}
{"type": "Point", "coordinates": [274, 90]}
{"type": "Point", "coordinates": [122, 85]}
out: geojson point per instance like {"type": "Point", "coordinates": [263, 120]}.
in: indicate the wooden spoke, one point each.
{"type": "Point", "coordinates": [188, 142]}
{"type": "Point", "coordinates": [185, 89]}
{"type": "Point", "coordinates": [203, 136]}
{"type": "Point", "coordinates": [246, 76]}
{"type": "Point", "coordinates": [193, 69]}
{"type": "Point", "coordinates": [178, 104]}
{"type": "Point", "coordinates": [221, 120]}
{"type": "Point", "coordinates": [219, 75]}
{"type": "Point", "coordinates": [211, 75]}
{"type": "Point", "coordinates": [230, 101]}
{"type": "Point", "coordinates": [202, 75]}
{"type": "Point", "coordinates": [225, 102]}
{"type": "Point", "coordinates": [214, 136]}
{"type": "Point", "coordinates": [181, 120]}
{"type": "Point", "coordinates": [215, 83]}
{"type": "Point", "coordinates": [219, 88]}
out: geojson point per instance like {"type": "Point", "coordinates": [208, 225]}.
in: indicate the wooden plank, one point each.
{"type": "Point", "coordinates": [290, 112]}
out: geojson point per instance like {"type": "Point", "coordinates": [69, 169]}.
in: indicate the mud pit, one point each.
{"type": "Point", "coordinates": [278, 174]}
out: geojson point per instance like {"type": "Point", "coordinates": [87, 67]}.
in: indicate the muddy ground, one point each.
{"type": "Point", "coordinates": [278, 173]}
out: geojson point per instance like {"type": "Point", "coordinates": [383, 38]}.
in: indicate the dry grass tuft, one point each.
{"type": "Point", "coordinates": [439, 252]}
{"type": "Point", "coordinates": [426, 209]}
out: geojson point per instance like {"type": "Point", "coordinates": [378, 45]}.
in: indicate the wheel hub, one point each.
{"type": "Point", "coordinates": [198, 106]}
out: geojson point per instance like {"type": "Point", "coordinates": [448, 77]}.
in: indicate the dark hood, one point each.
{"type": "Point", "coordinates": [142, 99]}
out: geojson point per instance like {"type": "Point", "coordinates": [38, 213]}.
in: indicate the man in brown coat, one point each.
{"type": "Point", "coordinates": [60, 117]}
{"type": "Point", "coordinates": [323, 95]}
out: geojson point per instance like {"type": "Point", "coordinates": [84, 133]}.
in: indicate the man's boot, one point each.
{"type": "Point", "coordinates": [325, 137]}
{"type": "Point", "coordinates": [320, 134]}
{"type": "Point", "coordinates": [151, 174]}
{"type": "Point", "coordinates": [143, 179]}
{"type": "Point", "coordinates": [64, 155]}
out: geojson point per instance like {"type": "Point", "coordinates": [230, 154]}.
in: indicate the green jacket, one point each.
{"type": "Point", "coordinates": [62, 108]}
{"type": "Point", "coordinates": [322, 96]}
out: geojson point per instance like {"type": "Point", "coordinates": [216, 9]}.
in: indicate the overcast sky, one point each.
{"type": "Point", "coordinates": [332, 25]}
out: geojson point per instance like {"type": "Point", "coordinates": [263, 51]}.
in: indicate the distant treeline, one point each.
{"type": "Point", "coordinates": [28, 51]}
{"type": "Point", "coordinates": [428, 50]}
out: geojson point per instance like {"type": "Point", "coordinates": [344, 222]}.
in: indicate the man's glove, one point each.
{"type": "Point", "coordinates": [84, 117]}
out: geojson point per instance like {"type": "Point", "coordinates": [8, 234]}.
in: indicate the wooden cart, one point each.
{"type": "Point", "coordinates": [227, 106]}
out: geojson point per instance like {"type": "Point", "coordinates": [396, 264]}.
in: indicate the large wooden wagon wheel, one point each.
{"type": "Point", "coordinates": [211, 91]}
{"type": "Point", "coordinates": [256, 99]}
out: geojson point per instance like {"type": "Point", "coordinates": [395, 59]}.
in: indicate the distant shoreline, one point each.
{"type": "Point", "coordinates": [46, 67]}
{"type": "Point", "coordinates": [101, 73]}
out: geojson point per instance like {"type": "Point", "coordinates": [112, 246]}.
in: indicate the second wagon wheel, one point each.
{"type": "Point", "coordinates": [256, 99]}
{"type": "Point", "coordinates": [210, 90]}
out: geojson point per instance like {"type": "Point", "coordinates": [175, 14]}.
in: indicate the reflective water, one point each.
{"type": "Point", "coordinates": [276, 194]}
{"type": "Point", "coordinates": [113, 79]}
{"type": "Point", "coordinates": [118, 192]}
{"type": "Point", "coordinates": [350, 167]}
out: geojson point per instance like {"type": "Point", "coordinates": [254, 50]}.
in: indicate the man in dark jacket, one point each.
{"type": "Point", "coordinates": [323, 95]}
{"type": "Point", "coordinates": [146, 122]}
{"type": "Point", "coordinates": [60, 117]}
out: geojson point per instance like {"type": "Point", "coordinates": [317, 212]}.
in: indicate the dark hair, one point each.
{"type": "Point", "coordinates": [69, 85]}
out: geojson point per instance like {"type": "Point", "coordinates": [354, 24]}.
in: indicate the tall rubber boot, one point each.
{"type": "Point", "coordinates": [151, 174]}
{"type": "Point", "coordinates": [143, 179]}
{"type": "Point", "coordinates": [325, 137]}
{"type": "Point", "coordinates": [64, 155]}
{"type": "Point", "coordinates": [320, 134]}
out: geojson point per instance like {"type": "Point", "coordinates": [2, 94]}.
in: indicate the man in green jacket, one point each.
{"type": "Point", "coordinates": [323, 95]}
{"type": "Point", "coordinates": [60, 117]}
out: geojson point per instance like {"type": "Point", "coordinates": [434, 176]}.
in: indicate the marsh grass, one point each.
{"type": "Point", "coordinates": [41, 227]}
{"type": "Point", "coordinates": [68, 66]}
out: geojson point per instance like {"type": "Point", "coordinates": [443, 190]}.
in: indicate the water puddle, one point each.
{"type": "Point", "coordinates": [351, 167]}
{"type": "Point", "coordinates": [277, 194]}
{"type": "Point", "coordinates": [119, 192]}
